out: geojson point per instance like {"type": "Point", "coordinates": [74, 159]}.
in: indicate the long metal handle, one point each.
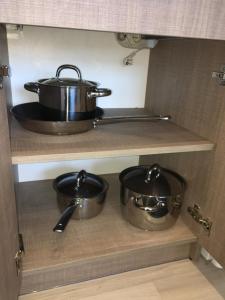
{"type": "Point", "coordinates": [72, 67]}
{"type": "Point", "coordinates": [65, 217]}
{"type": "Point", "coordinates": [111, 120]}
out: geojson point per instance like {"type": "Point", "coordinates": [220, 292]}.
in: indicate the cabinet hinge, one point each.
{"type": "Point", "coordinates": [219, 76]}
{"type": "Point", "coordinates": [19, 255]}
{"type": "Point", "coordinates": [4, 72]}
{"type": "Point", "coordinates": [197, 216]}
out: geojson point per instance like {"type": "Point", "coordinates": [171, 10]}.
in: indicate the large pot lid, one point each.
{"type": "Point", "coordinates": [65, 81]}
{"type": "Point", "coordinates": [152, 181]}
{"type": "Point", "coordinates": [89, 185]}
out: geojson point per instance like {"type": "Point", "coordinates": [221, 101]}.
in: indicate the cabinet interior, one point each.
{"type": "Point", "coordinates": [179, 84]}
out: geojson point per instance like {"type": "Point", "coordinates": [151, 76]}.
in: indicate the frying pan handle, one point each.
{"type": "Point", "coordinates": [67, 66]}
{"type": "Point", "coordinates": [32, 87]}
{"type": "Point", "coordinates": [65, 217]}
{"type": "Point", "coordinates": [111, 120]}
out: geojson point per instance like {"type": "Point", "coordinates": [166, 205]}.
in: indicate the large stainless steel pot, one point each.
{"type": "Point", "coordinates": [151, 196]}
{"type": "Point", "coordinates": [80, 196]}
{"type": "Point", "coordinates": [68, 99]}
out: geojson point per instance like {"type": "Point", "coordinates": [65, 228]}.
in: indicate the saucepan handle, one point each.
{"type": "Point", "coordinates": [32, 87]}
{"type": "Point", "coordinates": [99, 93]}
{"type": "Point", "coordinates": [65, 217]}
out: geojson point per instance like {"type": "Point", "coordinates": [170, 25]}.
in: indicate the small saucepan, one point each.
{"type": "Point", "coordinates": [80, 195]}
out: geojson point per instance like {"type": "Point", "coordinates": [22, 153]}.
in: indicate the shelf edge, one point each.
{"type": "Point", "coordinates": [41, 158]}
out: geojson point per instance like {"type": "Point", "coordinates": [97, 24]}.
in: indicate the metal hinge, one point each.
{"type": "Point", "coordinates": [4, 72]}
{"type": "Point", "coordinates": [197, 216]}
{"type": "Point", "coordinates": [219, 75]}
{"type": "Point", "coordinates": [19, 255]}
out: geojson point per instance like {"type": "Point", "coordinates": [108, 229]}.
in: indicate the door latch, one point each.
{"type": "Point", "coordinates": [19, 255]}
{"type": "Point", "coordinates": [4, 72]}
{"type": "Point", "coordinates": [197, 216]}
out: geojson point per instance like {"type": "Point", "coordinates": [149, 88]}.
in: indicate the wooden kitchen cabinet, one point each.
{"type": "Point", "coordinates": [179, 84]}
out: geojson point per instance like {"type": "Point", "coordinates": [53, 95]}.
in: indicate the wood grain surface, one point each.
{"type": "Point", "coordinates": [9, 282]}
{"type": "Point", "coordinates": [112, 140]}
{"type": "Point", "coordinates": [180, 84]}
{"type": "Point", "coordinates": [104, 245]}
{"type": "Point", "coordinates": [176, 280]}
{"type": "Point", "coordinates": [197, 19]}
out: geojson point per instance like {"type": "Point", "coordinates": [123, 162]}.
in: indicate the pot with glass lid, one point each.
{"type": "Point", "coordinates": [151, 196]}
{"type": "Point", "coordinates": [68, 99]}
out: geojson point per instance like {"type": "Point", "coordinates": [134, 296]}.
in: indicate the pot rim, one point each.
{"type": "Point", "coordinates": [105, 185]}
{"type": "Point", "coordinates": [94, 84]}
{"type": "Point", "coordinates": [179, 177]}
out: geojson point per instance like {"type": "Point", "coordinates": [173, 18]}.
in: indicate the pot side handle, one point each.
{"type": "Point", "coordinates": [99, 93]}
{"type": "Point", "coordinates": [32, 87]}
{"type": "Point", "coordinates": [65, 217]}
{"type": "Point", "coordinates": [154, 208]}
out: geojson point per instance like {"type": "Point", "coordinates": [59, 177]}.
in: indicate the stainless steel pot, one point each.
{"type": "Point", "coordinates": [151, 196]}
{"type": "Point", "coordinates": [80, 196]}
{"type": "Point", "coordinates": [68, 98]}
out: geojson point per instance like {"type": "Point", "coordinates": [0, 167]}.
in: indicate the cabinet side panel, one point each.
{"type": "Point", "coordinates": [180, 84]}
{"type": "Point", "coordinates": [8, 220]}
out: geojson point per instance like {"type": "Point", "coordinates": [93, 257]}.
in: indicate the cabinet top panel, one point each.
{"type": "Point", "coordinates": [111, 140]}
{"type": "Point", "coordinates": [196, 19]}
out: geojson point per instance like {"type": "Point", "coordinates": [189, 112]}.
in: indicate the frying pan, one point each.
{"type": "Point", "coordinates": [33, 116]}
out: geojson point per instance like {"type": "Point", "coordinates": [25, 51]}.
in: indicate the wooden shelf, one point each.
{"type": "Point", "coordinates": [167, 281]}
{"type": "Point", "coordinates": [88, 249]}
{"type": "Point", "coordinates": [121, 139]}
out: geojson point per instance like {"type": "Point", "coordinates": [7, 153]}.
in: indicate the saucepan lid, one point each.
{"type": "Point", "coordinates": [152, 181]}
{"type": "Point", "coordinates": [80, 184]}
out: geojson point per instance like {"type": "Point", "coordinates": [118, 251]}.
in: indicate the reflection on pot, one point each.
{"type": "Point", "coordinates": [151, 196]}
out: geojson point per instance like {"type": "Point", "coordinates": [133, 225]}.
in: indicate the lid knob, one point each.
{"type": "Point", "coordinates": [67, 66]}
{"type": "Point", "coordinates": [81, 177]}
{"type": "Point", "coordinates": [153, 172]}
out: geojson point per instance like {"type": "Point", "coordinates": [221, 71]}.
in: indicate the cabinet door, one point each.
{"type": "Point", "coordinates": [9, 280]}
{"type": "Point", "coordinates": [180, 84]}
{"type": "Point", "coordinates": [187, 18]}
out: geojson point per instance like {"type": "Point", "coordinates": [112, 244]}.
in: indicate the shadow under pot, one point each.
{"type": "Point", "coordinates": [80, 196]}
{"type": "Point", "coordinates": [68, 99]}
{"type": "Point", "coordinates": [151, 196]}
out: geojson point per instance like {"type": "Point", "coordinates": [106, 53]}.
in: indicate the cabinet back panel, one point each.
{"type": "Point", "coordinates": [36, 52]}
{"type": "Point", "coordinates": [180, 84]}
